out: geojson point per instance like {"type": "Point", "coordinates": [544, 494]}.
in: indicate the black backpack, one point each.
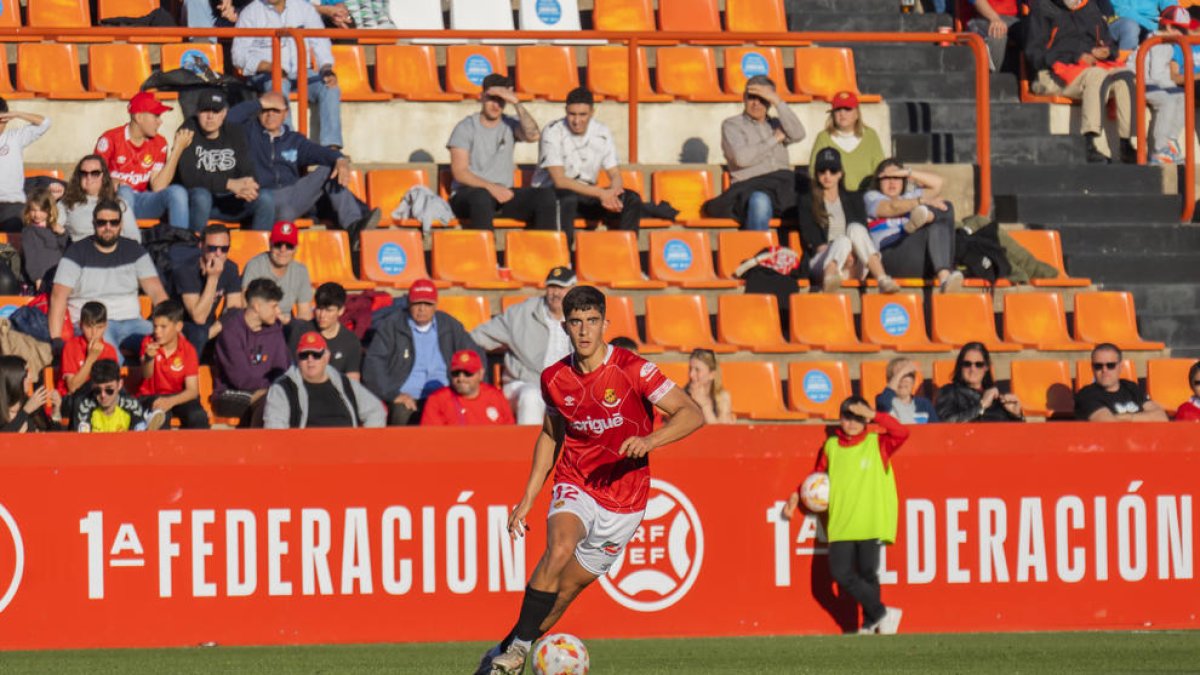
{"type": "Point", "coordinates": [981, 254]}
{"type": "Point", "coordinates": [169, 248]}
{"type": "Point", "coordinates": [293, 396]}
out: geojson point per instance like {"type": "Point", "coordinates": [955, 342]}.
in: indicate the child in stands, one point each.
{"type": "Point", "coordinates": [109, 408]}
{"type": "Point", "coordinates": [81, 352]}
{"type": "Point", "coordinates": [43, 239]}
{"type": "Point", "coordinates": [171, 369]}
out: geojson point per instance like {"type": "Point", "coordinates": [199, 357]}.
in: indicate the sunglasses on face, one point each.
{"type": "Point", "coordinates": [91, 174]}
{"type": "Point", "coordinates": [1098, 365]}
{"type": "Point", "coordinates": [827, 170]}
{"type": "Point", "coordinates": [107, 391]}
{"type": "Point", "coordinates": [307, 356]}
{"type": "Point", "coordinates": [267, 111]}
{"type": "Point", "coordinates": [974, 364]}
{"type": "Point", "coordinates": [217, 249]}
{"type": "Point", "coordinates": [106, 222]}
{"type": "Point", "coordinates": [284, 245]}
{"type": "Point", "coordinates": [460, 373]}
{"type": "Point", "coordinates": [1196, 383]}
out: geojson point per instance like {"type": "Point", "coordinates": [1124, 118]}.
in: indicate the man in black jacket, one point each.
{"type": "Point", "coordinates": [217, 171]}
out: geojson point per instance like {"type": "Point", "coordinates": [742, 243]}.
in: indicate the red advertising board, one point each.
{"type": "Point", "coordinates": [254, 537]}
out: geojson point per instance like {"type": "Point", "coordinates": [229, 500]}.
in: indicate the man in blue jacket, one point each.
{"type": "Point", "coordinates": [279, 156]}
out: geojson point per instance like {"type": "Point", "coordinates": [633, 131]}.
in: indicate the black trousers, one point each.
{"type": "Point", "coordinates": [572, 205]}
{"type": "Point", "coordinates": [925, 252]}
{"type": "Point", "coordinates": [191, 414]}
{"type": "Point", "coordinates": [855, 567]}
{"type": "Point", "coordinates": [477, 208]}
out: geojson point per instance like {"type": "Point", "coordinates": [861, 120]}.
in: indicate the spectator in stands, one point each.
{"type": "Point", "coordinates": [858, 144]}
{"type": "Point", "coordinates": [171, 369]}
{"type": "Point", "coordinates": [1189, 410]}
{"type": "Point", "coordinates": [704, 386]}
{"type": "Point", "coordinates": [1164, 90]}
{"type": "Point", "coordinates": [532, 336]}
{"type": "Point", "coordinates": [833, 231]}
{"type": "Point", "coordinates": [280, 155]}
{"type": "Point", "coordinates": [409, 357]}
{"type": "Point", "coordinates": [481, 162]}
{"type": "Point", "coordinates": [108, 407]}
{"type": "Point", "coordinates": [468, 400]}
{"type": "Point", "coordinates": [13, 142]}
{"type": "Point", "coordinates": [81, 352]}
{"type": "Point", "coordinates": [995, 20]}
{"type": "Point", "coordinates": [911, 224]}
{"type": "Point", "coordinates": [204, 282]}
{"type": "Point", "coordinates": [253, 56]}
{"type": "Point", "coordinates": [109, 269]}
{"type": "Point", "coordinates": [43, 239]}
{"type": "Point", "coordinates": [1134, 20]}
{"type": "Point", "coordinates": [761, 182]}
{"type": "Point", "coordinates": [280, 266]}
{"type": "Point", "coordinates": [250, 353]}
{"type": "Point", "coordinates": [313, 393]}
{"type": "Point", "coordinates": [345, 349]}
{"type": "Point", "coordinates": [356, 13]}
{"type": "Point", "coordinates": [137, 157]}
{"type": "Point", "coordinates": [1070, 49]}
{"type": "Point", "coordinates": [213, 13]}
{"type": "Point", "coordinates": [91, 183]}
{"type": "Point", "coordinates": [899, 398]}
{"type": "Point", "coordinates": [21, 412]}
{"type": "Point", "coordinates": [973, 395]}
{"type": "Point", "coordinates": [574, 150]}
{"type": "Point", "coordinates": [218, 172]}
{"type": "Point", "coordinates": [1111, 399]}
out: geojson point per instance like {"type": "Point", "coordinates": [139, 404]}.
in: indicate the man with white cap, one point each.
{"type": "Point", "coordinates": [468, 399]}
{"type": "Point", "coordinates": [313, 394]}
{"type": "Point", "coordinates": [531, 333]}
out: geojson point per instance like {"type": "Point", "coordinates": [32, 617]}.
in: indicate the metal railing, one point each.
{"type": "Point", "coordinates": [1185, 43]}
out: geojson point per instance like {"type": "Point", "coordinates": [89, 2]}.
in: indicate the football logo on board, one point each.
{"type": "Point", "coordinates": [12, 557]}
{"type": "Point", "coordinates": [662, 561]}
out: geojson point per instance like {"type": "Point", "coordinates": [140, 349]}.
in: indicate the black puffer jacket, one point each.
{"type": "Point", "coordinates": [960, 403]}
{"type": "Point", "coordinates": [1057, 34]}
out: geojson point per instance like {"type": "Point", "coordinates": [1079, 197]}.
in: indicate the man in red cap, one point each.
{"type": "Point", "coordinates": [410, 354]}
{"type": "Point", "coordinates": [137, 157]}
{"type": "Point", "coordinates": [279, 265]}
{"type": "Point", "coordinates": [468, 399]}
{"type": "Point", "coordinates": [12, 162]}
{"type": "Point", "coordinates": [314, 394]}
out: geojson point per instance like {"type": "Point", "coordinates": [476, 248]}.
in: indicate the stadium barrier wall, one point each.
{"type": "Point", "coordinates": [325, 536]}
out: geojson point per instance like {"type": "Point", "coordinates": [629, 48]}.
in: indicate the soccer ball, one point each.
{"type": "Point", "coordinates": [560, 654]}
{"type": "Point", "coordinates": [814, 492]}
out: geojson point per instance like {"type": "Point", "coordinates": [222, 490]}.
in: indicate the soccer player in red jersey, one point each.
{"type": "Point", "coordinates": [597, 435]}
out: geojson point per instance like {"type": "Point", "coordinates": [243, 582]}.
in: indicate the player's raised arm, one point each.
{"type": "Point", "coordinates": [685, 417]}
{"type": "Point", "coordinates": [545, 453]}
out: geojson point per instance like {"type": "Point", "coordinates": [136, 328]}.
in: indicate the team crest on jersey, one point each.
{"type": "Point", "coordinates": [147, 160]}
{"type": "Point", "coordinates": [102, 145]}
{"type": "Point", "coordinates": [568, 400]}
{"type": "Point", "coordinates": [492, 413]}
{"type": "Point", "coordinates": [177, 364]}
{"type": "Point", "coordinates": [120, 159]}
{"type": "Point", "coordinates": [610, 399]}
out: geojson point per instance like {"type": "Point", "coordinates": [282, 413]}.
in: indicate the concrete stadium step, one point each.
{"type": "Point", "coordinates": [910, 58]}
{"type": "Point", "coordinates": [1181, 331]}
{"type": "Point", "coordinates": [1077, 178]}
{"type": "Point", "coordinates": [1007, 148]}
{"type": "Point", "coordinates": [855, 22]}
{"type": "Point", "coordinates": [1123, 238]}
{"type": "Point", "coordinates": [1168, 298]}
{"type": "Point", "coordinates": [953, 85]}
{"type": "Point", "coordinates": [848, 6]}
{"type": "Point", "coordinates": [922, 115]}
{"type": "Point", "coordinates": [1120, 268]}
{"type": "Point", "coordinates": [1055, 209]}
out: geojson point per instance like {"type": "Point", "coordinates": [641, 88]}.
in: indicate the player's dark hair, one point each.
{"type": "Point", "coordinates": [215, 228]}
{"type": "Point", "coordinates": [330, 294]}
{"type": "Point", "coordinates": [105, 370]}
{"type": "Point", "coordinates": [624, 343]}
{"type": "Point", "coordinates": [988, 380]}
{"type": "Point", "coordinates": [496, 80]}
{"type": "Point", "coordinates": [263, 289]}
{"type": "Point", "coordinates": [845, 413]}
{"type": "Point", "coordinates": [1110, 347]}
{"type": "Point", "coordinates": [93, 313]}
{"type": "Point", "coordinates": [107, 205]}
{"type": "Point", "coordinates": [171, 310]}
{"type": "Point", "coordinates": [1192, 372]}
{"type": "Point", "coordinates": [581, 299]}
{"type": "Point", "coordinates": [580, 95]}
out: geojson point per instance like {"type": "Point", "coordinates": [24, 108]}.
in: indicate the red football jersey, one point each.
{"type": "Point", "coordinates": [74, 353]}
{"type": "Point", "coordinates": [602, 409]}
{"type": "Point", "coordinates": [170, 370]}
{"type": "Point", "coordinates": [130, 164]}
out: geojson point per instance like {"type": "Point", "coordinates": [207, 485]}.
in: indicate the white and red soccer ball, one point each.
{"type": "Point", "coordinates": [814, 492]}
{"type": "Point", "coordinates": [560, 654]}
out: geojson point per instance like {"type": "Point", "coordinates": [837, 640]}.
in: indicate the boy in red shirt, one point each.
{"type": "Point", "coordinates": [171, 369]}
{"type": "Point", "coordinates": [81, 352]}
{"type": "Point", "coordinates": [468, 399]}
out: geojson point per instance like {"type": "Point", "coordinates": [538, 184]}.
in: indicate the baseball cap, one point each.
{"type": "Point", "coordinates": [212, 100]}
{"type": "Point", "coordinates": [144, 102]}
{"type": "Point", "coordinates": [467, 360]}
{"type": "Point", "coordinates": [1179, 17]}
{"type": "Point", "coordinates": [284, 232]}
{"type": "Point", "coordinates": [828, 158]}
{"type": "Point", "coordinates": [422, 290]}
{"type": "Point", "coordinates": [844, 99]}
{"type": "Point", "coordinates": [561, 276]}
{"type": "Point", "coordinates": [312, 341]}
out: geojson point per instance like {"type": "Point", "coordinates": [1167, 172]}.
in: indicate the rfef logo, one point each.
{"type": "Point", "coordinates": [12, 557]}
{"type": "Point", "coordinates": [754, 64]}
{"type": "Point", "coordinates": [662, 561]}
{"type": "Point", "coordinates": [817, 386]}
{"type": "Point", "coordinates": [677, 255]}
{"type": "Point", "coordinates": [392, 259]}
{"type": "Point", "coordinates": [476, 68]}
{"type": "Point", "coordinates": [894, 319]}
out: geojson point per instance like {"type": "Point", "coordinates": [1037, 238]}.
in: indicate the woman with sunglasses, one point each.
{"type": "Point", "coordinates": [91, 182]}
{"type": "Point", "coordinates": [973, 395]}
{"type": "Point", "coordinates": [857, 143]}
{"type": "Point", "coordinates": [705, 388]}
{"type": "Point", "coordinates": [1189, 411]}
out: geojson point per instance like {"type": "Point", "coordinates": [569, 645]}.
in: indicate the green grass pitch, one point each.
{"type": "Point", "coordinates": [1115, 652]}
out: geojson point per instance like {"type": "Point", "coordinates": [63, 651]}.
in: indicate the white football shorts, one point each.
{"type": "Point", "coordinates": [607, 532]}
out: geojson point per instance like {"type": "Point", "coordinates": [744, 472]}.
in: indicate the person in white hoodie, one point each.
{"type": "Point", "coordinates": [13, 142]}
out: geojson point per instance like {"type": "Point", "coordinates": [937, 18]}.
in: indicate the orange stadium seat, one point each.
{"type": "Point", "coordinates": [751, 321]}
{"type": "Point", "coordinates": [467, 65]}
{"type": "Point", "coordinates": [733, 248]}
{"type": "Point", "coordinates": [675, 371]}
{"type": "Point", "coordinates": [684, 259]}
{"type": "Point", "coordinates": [59, 14]}
{"type": "Point", "coordinates": [245, 244]}
{"type": "Point", "coordinates": [959, 318]}
{"type": "Point", "coordinates": [687, 190]}
{"type": "Point", "coordinates": [509, 299]}
{"type": "Point", "coordinates": [326, 253]}
{"type": "Point", "coordinates": [825, 321]}
{"type": "Point", "coordinates": [622, 322]}
{"type": "Point", "coordinates": [742, 63]}
{"type": "Point", "coordinates": [608, 74]}
{"type": "Point", "coordinates": [10, 16]}
{"type": "Point", "coordinates": [51, 71]}
{"type": "Point", "coordinates": [547, 71]}
{"type": "Point", "coordinates": [690, 73]}
{"type": "Point", "coordinates": [681, 323]}
{"type": "Point", "coordinates": [689, 15]}
{"type": "Point", "coordinates": [1167, 382]}
{"type": "Point", "coordinates": [633, 179]}
{"type": "Point", "coordinates": [1046, 245]}
{"type": "Point", "coordinates": [10, 304]}
{"type": "Point", "coordinates": [1038, 321]}
{"type": "Point", "coordinates": [1043, 387]}
{"type": "Point", "coordinates": [393, 258]}
{"type": "Point", "coordinates": [821, 72]}
{"type": "Point", "coordinates": [623, 15]}
{"type": "Point", "coordinates": [531, 254]}
{"type": "Point", "coordinates": [386, 189]}
{"type": "Point", "coordinates": [173, 55]}
{"type": "Point", "coordinates": [755, 16]}
{"type": "Point", "coordinates": [6, 87]}
{"type": "Point", "coordinates": [358, 184]}
{"type": "Point", "coordinates": [1085, 376]}
{"type": "Point", "coordinates": [1109, 316]}
{"type": "Point", "coordinates": [108, 9]}
{"type": "Point", "coordinates": [756, 390]}
{"type": "Point", "coordinates": [410, 72]}
{"type": "Point", "coordinates": [818, 387]}
{"type": "Point", "coordinates": [468, 258]}
{"type": "Point", "coordinates": [350, 65]}
{"type": "Point", "coordinates": [610, 258]}
{"type": "Point", "coordinates": [205, 377]}
{"type": "Point", "coordinates": [943, 372]}
{"type": "Point", "coordinates": [471, 310]}
{"type": "Point", "coordinates": [118, 69]}
{"type": "Point", "coordinates": [52, 173]}
{"type": "Point", "coordinates": [897, 322]}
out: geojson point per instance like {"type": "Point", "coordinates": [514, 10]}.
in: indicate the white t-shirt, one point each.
{"type": "Point", "coordinates": [13, 142]}
{"type": "Point", "coordinates": [845, 142]}
{"type": "Point", "coordinates": [581, 157]}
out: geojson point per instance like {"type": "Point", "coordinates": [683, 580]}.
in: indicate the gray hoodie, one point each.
{"type": "Point", "coordinates": [522, 330]}
{"type": "Point", "coordinates": [277, 414]}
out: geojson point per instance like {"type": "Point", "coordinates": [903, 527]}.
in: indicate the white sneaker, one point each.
{"type": "Point", "coordinates": [918, 218]}
{"type": "Point", "coordinates": [831, 282]}
{"type": "Point", "coordinates": [155, 420]}
{"type": "Point", "coordinates": [890, 623]}
{"type": "Point", "coordinates": [888, 285]}
{"type": "Point", "coordinates": [512, 661]}
{"type": "Point", "coordinates": [485, 664]}
{"type": "Point", "coordinates": [953, 282]}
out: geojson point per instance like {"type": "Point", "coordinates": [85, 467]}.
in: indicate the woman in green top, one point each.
{"type": "Point", "coordinates": [858, 143]}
